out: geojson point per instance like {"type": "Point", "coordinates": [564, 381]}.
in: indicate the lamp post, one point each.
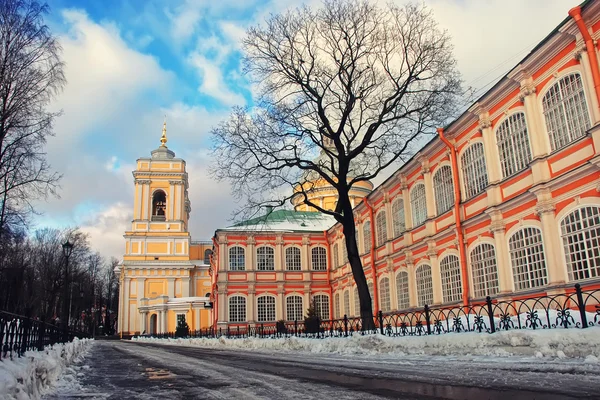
{"type": "Point", "coordinates": [67, 250]}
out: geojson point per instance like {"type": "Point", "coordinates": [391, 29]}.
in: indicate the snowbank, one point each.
{"type": "Point", "coordinates": [33, 374]}
{"type": "Point", "coordinates": [555, 343]}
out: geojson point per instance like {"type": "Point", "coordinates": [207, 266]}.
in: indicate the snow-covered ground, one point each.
{"type": "Point", "coordinates": [36, 373]}
{"type": "Point", "coordinates": [550, 343]}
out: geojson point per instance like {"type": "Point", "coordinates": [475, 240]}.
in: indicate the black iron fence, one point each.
{"type": "Point", "coordinates": [576, 308]}
{"type": "Point", "coordinates": [19, 334]}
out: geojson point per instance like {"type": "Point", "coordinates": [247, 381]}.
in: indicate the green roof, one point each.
{"type": "Point", "coordinates": [287, 220]}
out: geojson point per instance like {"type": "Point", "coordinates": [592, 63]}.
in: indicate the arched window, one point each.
{"type": "Point", "coordinates": [384, 295]}
{"type": "Point", "coordinates": [451, 282]}
{"type": "Point", "coordinates": [402, 291]}
{"type": "Point", "coordinates": [580, 233]}
{"type": "Point", "coordinates": [344, 252]}
{"type": "Point", "coordinates": [321, 302]}
{"type": "Point", "coordinates": [237, 309]}
{"type": "Point", "coordinates": [207, 254]}
{"type": "Point", "coordinates": [424, 285]}
{"type": "Point", "coordinates": [336, 306]}
{"type": "Point", "coordinates": [474, 170]}
{"type": "Point", "coordinates": [381, 228]}
{"type": "Point", "coordinates": [319, 258]}
{"type": "Point", "coordinates": [418, 203]}
{"type": "Point", "coordinates": [336, 255]}
{"type": "Point", "coordinates": [293, 308]}
{"type": "Point", "coordinates": [398, 217]}
{"type": "Point", "coordinates": [444, 189]}
{"type": "Point", "coordinates": [485, 271]}
{"type": "Point", "coordinates": [565, 111]}
{"type": "Point", "coordinates": [367, 236]}
{"type": "Point", "coordinates": [356, 303]}
{"type": "Point", "coordinates": [159, 206]}
{"type": "Point", "coordinates": [347, 302]}
{"type": "Point", "coordinates": [237, 258]}
{"type": "Point", "coordinates": [527, 258]}
{"type": "Point", "coordinates": [265, 258]}
{"type": "Point", "coordinates": [513, 144]}
{"type": "Point", "coordinates": [266, 309]}
{"type": "Point", "coordinates": [292, 259]}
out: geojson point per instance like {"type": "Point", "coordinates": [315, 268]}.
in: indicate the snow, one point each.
{"type": "Point", "coordinates": [36, 372]}
{"type": "Point", "coordinates": [561, 344]}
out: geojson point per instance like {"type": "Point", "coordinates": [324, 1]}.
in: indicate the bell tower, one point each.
{"type": "Point", "coordinates": [161, 209]}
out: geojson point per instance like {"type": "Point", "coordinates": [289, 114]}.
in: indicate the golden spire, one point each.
{"type": "Point", "coordinates": [163, 138]}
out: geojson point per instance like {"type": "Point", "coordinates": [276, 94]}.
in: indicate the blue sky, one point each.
{"type": "Point", "coordinates": [129, 63]}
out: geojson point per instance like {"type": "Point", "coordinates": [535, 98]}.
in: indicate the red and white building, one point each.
{"type": "Point", "coordinates": [504, 202]}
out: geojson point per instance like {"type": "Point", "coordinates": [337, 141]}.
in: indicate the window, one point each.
{"type": "Point", "coordinates": [237, 258]}
{"type": "Point", "coordinates": [207, 254]}
{"type": "Point", "coordinates": [336, 305]}
{"type": "Point", "coordinates": [398, 217]}
{"type": "Point", "coordinates": [266, 308]}
{"type": "Point", "coordinates": [293, 308]}
{"type": "Point", "coordinates": [356, 303]}
{"type": "Point", "coordinates": [370, 286]}
{"type": "Point", "coordinates": [336, 255]}
{"type": "Point", "coordinates": [344, 252]}
{"type": "Point", "coordinates": [322, 306]}
{"type": "Point", "coordinates": [159, 206]}
{"type": "Point", "coordinates": [265, 258]}
{"type": "Point", "coordinates": [485, 271]}
{"type": "Point", "coordinates": [418, 203]}
{"type": "Point", "coordinates": [513, 144]}
{"type": "Point", "coordinates": [424, 285]}
{"type": "Point", "coordinates": [444, 189]}
{"type": "Point", "coordinates": [381, 228]}
{"type": "Point", "coordinates": [237, 309]}
{"type": "Point", "coordinates": [319, 259]}
{"type": "Point", "coordinates": [347, 302]}
{"type": "Point", "coordinates": [474, 170]}
{"type": "Point", "coordinates": [384, 295]}
{"type": "Point", "coordinates": [292, 259]}
{"type": "Point", "coordinates": [580, 233]}
{"type": "Point", "coordinates": [180, 319]}
{"type": "Point", "coordinates": [565, 111]}
{"type": "Point", "coordinates": [402, 291]}
{"type": "Point", "coordinates": [367, 237]}
{"type": "Point", "coordinates": [527, 259]}
{"type": "Point", "coordinates": [451, 282]}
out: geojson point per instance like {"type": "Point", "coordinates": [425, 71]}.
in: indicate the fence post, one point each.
{"type": "Point", "coordinates": [427, 319]}
{"type": "Point", "coordinates": [488, 301]}
{"type": "Point", "coordinates": [262, 329]}
{"type": "Point", "coordinates": [41, 333]}
{"type": "Point", "coordinates": [581, 304]}
{"type": "Point", "coordinates": [380, 316]}
{"type": "Point", "coordinates": [345, 325]}
{"type": "Point", "coordinates": [296, 327]}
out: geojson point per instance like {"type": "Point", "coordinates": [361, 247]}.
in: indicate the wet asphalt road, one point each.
{"type": "Point", "coordinates": [130, 370]}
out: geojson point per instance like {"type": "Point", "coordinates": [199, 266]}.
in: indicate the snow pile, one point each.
{"type": "Point", "coordinates": [34, 374]}
{"type": "Point", "coordinates": [555, 343]}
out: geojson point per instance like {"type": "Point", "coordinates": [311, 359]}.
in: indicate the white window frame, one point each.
{"type": "Point", "coordinates": [336, 306]}
{"type": "Point", "coordinates": [443, 188]}
{"type": "Point", "coordinates": [366, 228]}
{"type": "Point", "coordinates": [385, 303]}
{"type": "Point", "coordinates": [418, 204]}
{"type": "Point", "coordinates": [294, 308]}
{"type": "Point", "coordinates": [265, 258]}
{"type": "Point", "coordinates": [580, 235]}
{"type": "Point", "coordinates": [402, 290]}
{"type": "Point", "coordinates": [237, 308]}
{"type": "Point", "coordinates": [484, 270]}
{"type": "Point", "coordinates": [528, 259]}
{"type": "Point", "coordinates": [381, 227]}
{"type": "Point", "coordinates": [424, 283]}
{"type": "Point", "coordinates": [346, 302]}
{"type": "Point", "coordinates": [514, 149]}
{"type": "Point", "coordinates": [356, 302]}
{"type": "Point", "coordinates": [293, 259]}
{"type": "Point", "coordinates": [474, 169]}
{"type": "Point", "coordinates": [451, 279]}
{"type": "Point", "coordinates": [237, 253]}
{"type": "Point", "coordinates": [336, 255]}
{"type": "Point", "coordinates": [319, 258]}
{"type": "Point", "coordinates": [398, 218]}
{"type": "Point", "coordinates": [267, 312]}
{"type": "Point", "coordinates": [321, 302]}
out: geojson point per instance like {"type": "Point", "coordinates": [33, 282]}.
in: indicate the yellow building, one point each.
{"type": "Point", "coordinates": [164, 275]}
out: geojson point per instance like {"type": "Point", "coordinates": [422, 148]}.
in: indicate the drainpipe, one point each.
{"type": "Point", "coordinates": [575, 13]}
{"type": "Point", "coordinates": [214, 283]}
{"type": "Point", "coordinates": [373, 233]}
{"type": "Point", "coordinates": [457, 221]}
{"type": "Point", "coordinates": [329, 276]}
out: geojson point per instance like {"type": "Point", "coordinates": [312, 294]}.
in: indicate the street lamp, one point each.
{"type": "Point", "coordinates": [67, 250]}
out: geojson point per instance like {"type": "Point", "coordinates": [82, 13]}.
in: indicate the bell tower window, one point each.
{"type": "Point", "coordinates": [159, 206]}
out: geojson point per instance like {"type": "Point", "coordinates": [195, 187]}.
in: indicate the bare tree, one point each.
{"type": "Point", "coordinates": [31, 74]}
{"type": "Point", "coordinates": [344, 91]}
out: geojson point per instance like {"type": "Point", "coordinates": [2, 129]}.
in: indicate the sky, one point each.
{"type": "Point", "coordinates": [131, 63]}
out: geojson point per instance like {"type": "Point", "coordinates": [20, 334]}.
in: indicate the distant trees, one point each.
{"type": "Point", "coordinates": [342, 92]}
{"type": "Point", "coordinates": [32, 280]}
{"type": "Point", "coordinates": [31, 74]}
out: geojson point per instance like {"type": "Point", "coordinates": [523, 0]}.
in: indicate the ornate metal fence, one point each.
{"type": "Point", "coordinates": [576, 308]}
{"type": "Point", "coordinates": [19, 334]}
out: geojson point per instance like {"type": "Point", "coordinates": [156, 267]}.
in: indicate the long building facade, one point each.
{"type": "Point", "coordinates": [504, 202]}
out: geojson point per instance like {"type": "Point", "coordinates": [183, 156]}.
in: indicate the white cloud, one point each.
{"type": "Point", "coordinates": [213, 83]}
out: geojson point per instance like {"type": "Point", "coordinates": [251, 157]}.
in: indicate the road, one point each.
{"type": "Point", "coordinates": [130, 370]}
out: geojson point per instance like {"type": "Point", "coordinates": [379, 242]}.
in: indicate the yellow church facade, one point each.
{"type": "Point", "coordinates": [164, 275]}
